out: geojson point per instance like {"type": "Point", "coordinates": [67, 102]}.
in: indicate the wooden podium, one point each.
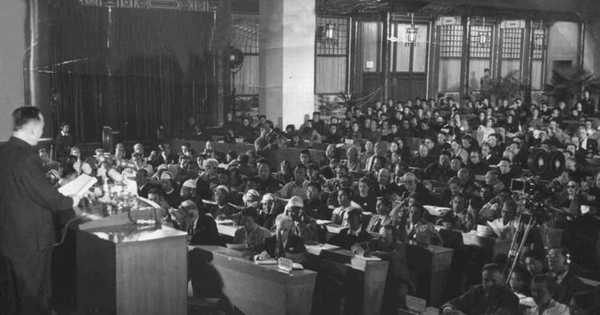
{"type": "Point", "coordinates": [430, 265]}
{"type": "Point", "coordinates": [129, 269]}
{"type": "Point", "coordinates": [363, 279]}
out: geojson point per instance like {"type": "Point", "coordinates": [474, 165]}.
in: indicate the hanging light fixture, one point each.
{"type": "Point", "coordinates": [412, 32]}
{"type": "Point", "coordinates": [539, 38]}
{"type": "Point", "coordinates": [483, 36]}
{"type": "Point", "coordinates": [329, 34]}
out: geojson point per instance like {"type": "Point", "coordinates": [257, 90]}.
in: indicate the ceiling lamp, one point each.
{"type": "Point", "coordinates": [329, 34]}
{"type": "Point", "coordinates": [412, 32]}
{"type": "Point", "coordinates": [539, 37]}
{"type": "Point", "coordinates": [483, 36]}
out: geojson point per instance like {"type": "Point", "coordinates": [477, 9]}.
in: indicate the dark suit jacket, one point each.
{"type": "Point", "coordinates": [387, 190]}
{"type": "Point", "coordinates": [591, 146]}
{"type": "Point", "coordinates": [143, 191]}
{"type": "Point", "coordinates": [567, 287]}
{"type": "Point", "coordinates": [294, 245]}
{"type": "Point", "coordinates": [475, 301]}
{"type": "Point", "coordinates": [27, 200]}
{"type": "Point", "coordinates": [346, 240]}
{"type": "Point", "coordinates": [205, 232]}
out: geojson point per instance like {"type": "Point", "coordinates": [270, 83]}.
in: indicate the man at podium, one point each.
{"type": "Point", "coordinates": [27, 205]}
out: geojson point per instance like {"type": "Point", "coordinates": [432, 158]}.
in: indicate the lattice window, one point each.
{"type": "Point", "coordinates": [481, 41]}
{"type": "Point", "coordinates": [451, 41]}
{"type": "Point", "coordinates": [539, 42]}
{"type": "Point", "coordinates": [336, 46]}
{"type": "Point", "coordinates": [245, 32]}
{"type": "Point", "coordinates": [512, 40]}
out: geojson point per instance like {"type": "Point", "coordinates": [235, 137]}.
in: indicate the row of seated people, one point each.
{"type": "Point", "coordinates": [390, 120]}
{"type": "Point", "coordinates": [472, 202]}
{"type": "Point", "coordinates": [541, 285]}
{"type": "Point", "coordinates": [201, 179]}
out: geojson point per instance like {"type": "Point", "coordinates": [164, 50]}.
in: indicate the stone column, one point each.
{"type": "Point", "coordinates": [13, 52]}
{"type": "Point", "coordinates": [287, 60]}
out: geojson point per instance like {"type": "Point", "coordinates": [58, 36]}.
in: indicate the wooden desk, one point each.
{"type": "Point", "coordinates": [262, 290]}
{"type": "Point", "coordinates": [131, 270]}
{"type": "Point", "coordinates": [430, 265]}
{"type": "Point", "coordinates": [492, 246]}
{"type": "Point", "coordinates": [366, 278]}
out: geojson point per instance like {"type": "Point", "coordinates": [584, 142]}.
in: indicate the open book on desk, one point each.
{"type": "Point", "coordinates": [78, 186]}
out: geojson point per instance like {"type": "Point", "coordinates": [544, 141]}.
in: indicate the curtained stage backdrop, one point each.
{"type": "Point", "coordinates": [130, 69]}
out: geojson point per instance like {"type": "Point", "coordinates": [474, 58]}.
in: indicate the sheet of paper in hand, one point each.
{"type": "Point", "coordinates": [78, 186]}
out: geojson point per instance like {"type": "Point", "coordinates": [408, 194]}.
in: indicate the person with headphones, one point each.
{"type": "Point", "coordinates": [567, 282]}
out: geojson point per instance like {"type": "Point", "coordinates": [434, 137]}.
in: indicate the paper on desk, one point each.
{"type": "Point", "coordinates": [224, 222]}
{"type": "Point", "coordinates": [78, 186]}
{"type": "Point", "coordinates": [270, 261]}
{"type": "Point", "coordinates": [316, 249]}
{"type": "Point", "coordinates": [435, 210]}
{"type": "Point", "coordinates": [323, 222]}
{"type": "Point", "coordinates": [370, 258]}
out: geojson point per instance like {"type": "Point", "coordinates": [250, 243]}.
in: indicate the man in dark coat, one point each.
{"type": "Point", "coordinates": [27, 205]}
{"type": "Point", "coordinates": [283, 243]}
{"type": "Point", "coordinates": [490, 297]}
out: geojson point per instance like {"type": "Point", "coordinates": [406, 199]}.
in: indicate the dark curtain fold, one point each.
{"type": "Point", "coordinates": [133, 70]}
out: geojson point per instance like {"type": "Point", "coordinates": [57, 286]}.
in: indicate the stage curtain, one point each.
{"type": "Point", "coordinates": [130, 69]}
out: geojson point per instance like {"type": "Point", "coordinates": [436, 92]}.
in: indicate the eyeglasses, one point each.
{"type": "Point", "coordinates": [570, 186]}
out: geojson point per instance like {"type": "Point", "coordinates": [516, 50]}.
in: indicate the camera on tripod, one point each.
{"type": "Point", "coordinates": [531, 195]}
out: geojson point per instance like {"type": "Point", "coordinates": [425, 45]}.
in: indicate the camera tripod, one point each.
{"type": "Point", "coordinates": [526, 223]}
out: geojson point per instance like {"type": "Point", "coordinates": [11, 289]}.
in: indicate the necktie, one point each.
{"type": "Point", "coordinates": [190, 229]}
{"type": "Point", "coordinates": [280, 250]}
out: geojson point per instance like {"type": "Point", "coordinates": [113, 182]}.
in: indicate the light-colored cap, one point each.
{"type": "Point", "coordinates": [267, 196]}
{"type": "Point", "coordinates": [190, 183]}
{"type": "Point", "coordinates": [166, 175]}
{"type": "Point", "coordinates": [295, 202]}
{"type": "Point", "coordinates": [253, 193]}
{"type": "Point", "coordinates": [222, 187]}
{"type": "Point", "coordinates": [162, 167]}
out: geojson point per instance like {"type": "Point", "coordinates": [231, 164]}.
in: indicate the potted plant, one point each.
{"type": "Point", "coordinates": [567, 83]}
{"type": "Point", "coordinates": [510, 86]}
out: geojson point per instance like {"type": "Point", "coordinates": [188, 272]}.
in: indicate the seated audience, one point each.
{"type": "Point", "coordinates": [492, 296]}
{"type": "Point", "coordinates": [567, 282]}
{"type": "Point", "coordinates": [383, 217]}
{"type": "Point", "coordinates": [541, 291]}
{"type": "Point", "coordinates": [250, 234]}
{"type": "Point", "coordinates": [419, 230]}
{"type": "Point", "coordinates": [297, 187]}
{"type": "Point", "coordinates": [304, 225]}
{"type": "Point", "coordinates": [268, 212]}
{"type": "Point", "coordinates": [365, 198]}
{"type": "Point", "coordinates": [283, 243]}
{"type": "Point", "coordinates": [354, 234]}
{"type": "Point", "coordinates": [222, 210]}
{"type": "Point", "coordinates": [314, 206]}
{"type": "Point", "coordinates": [201, 228]}
{"type": "Point", "coordinates": [340, 214]}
